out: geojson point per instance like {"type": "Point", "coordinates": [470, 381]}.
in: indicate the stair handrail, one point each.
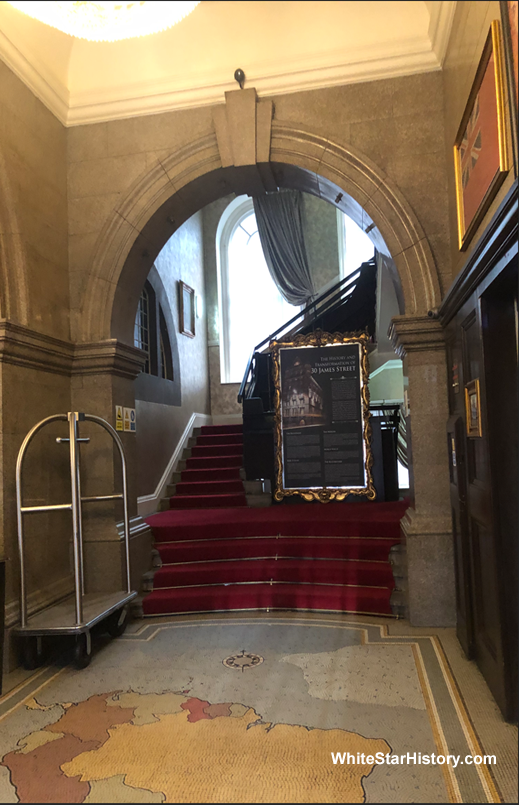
{"type": "Point", "coordinates": [332, 297]}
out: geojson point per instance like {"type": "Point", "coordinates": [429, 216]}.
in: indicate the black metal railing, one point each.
{"type": "Point", "coordinates": [328, 302]}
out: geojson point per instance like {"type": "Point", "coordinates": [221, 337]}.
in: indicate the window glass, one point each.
{"type": "Point", "coordinates": [166, 360]}
{"type": "Point", "coordinates": [255, 306]}
{"type": "Point", "coordinates": [357, 248]}
{"type": "Point", "coordinates": [142, 328]}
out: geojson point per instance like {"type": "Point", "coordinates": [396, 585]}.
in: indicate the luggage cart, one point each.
{"type": "Point", "coordinates": [78, 614]}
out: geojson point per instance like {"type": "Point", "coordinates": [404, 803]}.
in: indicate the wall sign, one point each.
{"type": "Point", "coordinates": [119, 422]}
{"type": "Point", "coordinates": [322, 425]}
{"type": "Point", "coordinates": [129, 420]}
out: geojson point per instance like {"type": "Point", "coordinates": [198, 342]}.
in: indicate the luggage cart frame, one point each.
{"type": "Point", "coordinates": [78, 614]}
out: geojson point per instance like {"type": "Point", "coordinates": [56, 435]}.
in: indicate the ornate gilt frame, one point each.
{"type": "Point", "coordinates": [493, 46]}
{"type": "Point", "coordinates": [474, 429]}
{"type": "Point", "coordinates": [322, 339]}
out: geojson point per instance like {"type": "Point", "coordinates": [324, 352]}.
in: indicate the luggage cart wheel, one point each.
{"type": "Point", "coordinates": [82, 650]}
{"type": "Point", "coordinates": [32, 653]}
{"type": "Point", "coordinates": [116, 623]}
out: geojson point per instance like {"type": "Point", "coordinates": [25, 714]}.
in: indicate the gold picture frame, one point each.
{"type": "Point", "coordinates": [186, 309]}
{"type": "Point", "coordinates": [473, 408]}
{"type": "Point", "coordinates": [324, 494]}
{"type": "Point", "coordinates": [481, 148]}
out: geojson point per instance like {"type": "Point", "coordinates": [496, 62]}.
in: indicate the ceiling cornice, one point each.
{"type": "Point", "coordinates": [326, 69]}
{"type": "Point", "coordinates": [413, 56]}
{"type": "Point", "coordinates": [440, 26]}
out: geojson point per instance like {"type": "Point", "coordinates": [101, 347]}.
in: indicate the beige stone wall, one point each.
{"type": "Point", "coordinates": [104, 160]}
{"type": "Point", "coordinates": [33, 229]}
{"type": "Point", "coordinates": [34, 351]}
{"type": "Point", "coordinates": [470, 29]}
{"type": "Point", "coordinates": [398, 123]}
{"type": "Point", "coordinates": [161, 426]}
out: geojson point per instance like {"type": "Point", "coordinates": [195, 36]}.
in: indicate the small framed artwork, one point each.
{"type": "Point", "coordinates": [473, 408]}
{"type": "Point", "coordinates": [481, 149]}
{"type": "Point", "coordinates": [187, 309]}
{"type": "Point", "coordinates": [509, 14]}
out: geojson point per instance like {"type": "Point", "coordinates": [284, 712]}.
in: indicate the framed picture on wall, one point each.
{"type": "Point", "coordinates": [481, 158]}
{"type": "Point", "coordinates": [509, 13]}
{"type": "Point", "coordinates": [473, 408]}
{"type": "Point", "coordinates": [187, 309]}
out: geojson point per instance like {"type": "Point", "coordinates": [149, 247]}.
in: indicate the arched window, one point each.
{"type": "Point", "coordinates": [250, 305]}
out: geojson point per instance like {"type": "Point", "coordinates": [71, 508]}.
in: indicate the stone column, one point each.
{"type": "Point", "coordinates": [102, 377]}
{"type": "Point", "coordinates": [427, 525]}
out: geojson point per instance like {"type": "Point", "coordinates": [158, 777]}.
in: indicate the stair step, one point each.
{"type": "Point", "coordinates": [288, 547]}
{"type": "Point", "coordinates": [208, 430]}
{"type": "Point", "coordinates": [211, 474]}
{"type": "Point", "coordinates": [213, 487]}
{"type": "Point", "coordinates": [269, 596]}
{"type": "Point", "coordinates": [210, 462]}
{"type": "Point", "coordinates": [258, 501]}
{"type": "Point", "coordinates": [219, 450]}
{"type": "Point", "coordinates": [220, 438]}
{"type": "Point", "coordinates": [319, 571]}
{"type": "Point", "coordinates": [208, 501]}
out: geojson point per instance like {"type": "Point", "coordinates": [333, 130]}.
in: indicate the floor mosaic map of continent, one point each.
{"type": "Point", "coordinates": [172, 747]}
{"type": "Point", "coordinates": [242, 710]}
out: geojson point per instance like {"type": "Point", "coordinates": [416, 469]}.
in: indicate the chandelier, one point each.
{"type": "Point", "coordinates": [107, 21]}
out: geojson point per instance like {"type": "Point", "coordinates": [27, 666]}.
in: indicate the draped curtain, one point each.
{"type": "Point", "coordinates": [280, 227]}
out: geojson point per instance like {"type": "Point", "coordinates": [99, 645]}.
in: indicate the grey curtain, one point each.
{"type": "Point", "coordinates": [280, 227]}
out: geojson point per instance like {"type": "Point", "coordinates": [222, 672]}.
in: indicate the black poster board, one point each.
{"type": "Point", "coordinates": [322, 417]}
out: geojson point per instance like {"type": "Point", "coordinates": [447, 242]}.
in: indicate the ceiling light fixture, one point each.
{"type": "Point", "coordinates": [107, 21]}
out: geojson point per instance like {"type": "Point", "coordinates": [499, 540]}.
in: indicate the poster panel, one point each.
{"type": "Point", "coordinates": [322, 426]}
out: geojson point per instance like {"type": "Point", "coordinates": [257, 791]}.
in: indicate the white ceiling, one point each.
{"type": "Point", "coordinates": [281, 46]}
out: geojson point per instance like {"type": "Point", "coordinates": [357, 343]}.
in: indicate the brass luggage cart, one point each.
{"type": "Point", "coordinates": [78, 614]}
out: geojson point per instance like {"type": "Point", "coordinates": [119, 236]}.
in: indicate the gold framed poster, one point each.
{"type": "Point", "coordinates": [481, 149]}
{"type": "Point", "coordinates": [322, 421]}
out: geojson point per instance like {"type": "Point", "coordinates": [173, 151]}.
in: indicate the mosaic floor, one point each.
{"type": "Point", "coordinates": [266, 708]}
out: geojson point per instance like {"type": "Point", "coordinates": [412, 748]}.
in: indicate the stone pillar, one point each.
{"type": "Point", "coordinates": [427, 526]}
{"type": "Point", "coordinates": [102, 377]}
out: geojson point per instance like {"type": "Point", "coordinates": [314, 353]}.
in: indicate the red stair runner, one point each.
{"type": "Point", "coordinates": [219, 555]}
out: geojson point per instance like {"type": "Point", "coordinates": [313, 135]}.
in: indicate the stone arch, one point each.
{"type": "Point", "coordinates": [176, 187]}
{"type": "Point", "coordinates": [14, 303]}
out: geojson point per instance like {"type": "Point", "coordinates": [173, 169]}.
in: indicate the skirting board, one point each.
{"type": "Point", "coordinates": [148, 504]}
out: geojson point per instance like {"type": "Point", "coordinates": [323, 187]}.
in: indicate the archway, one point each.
{"type": "Point", "coordinates": [177, 187]}
{"type": "Point", "coordinates": [183, 183]}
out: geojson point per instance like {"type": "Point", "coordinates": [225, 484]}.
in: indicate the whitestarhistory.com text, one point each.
{"type": "Point", "coordinates": [361, 759]}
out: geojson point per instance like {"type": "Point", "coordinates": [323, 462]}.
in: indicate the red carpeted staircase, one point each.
{"type": "Point", "coordinates": [217, 554]}
{"type": "Point", "coordinates": [212, 476]}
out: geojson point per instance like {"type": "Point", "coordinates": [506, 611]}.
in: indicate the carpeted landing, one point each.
{"type": "Point", "coordinates": [217, 554]}
{"type": "Point", "coordinates": [250, 709]}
